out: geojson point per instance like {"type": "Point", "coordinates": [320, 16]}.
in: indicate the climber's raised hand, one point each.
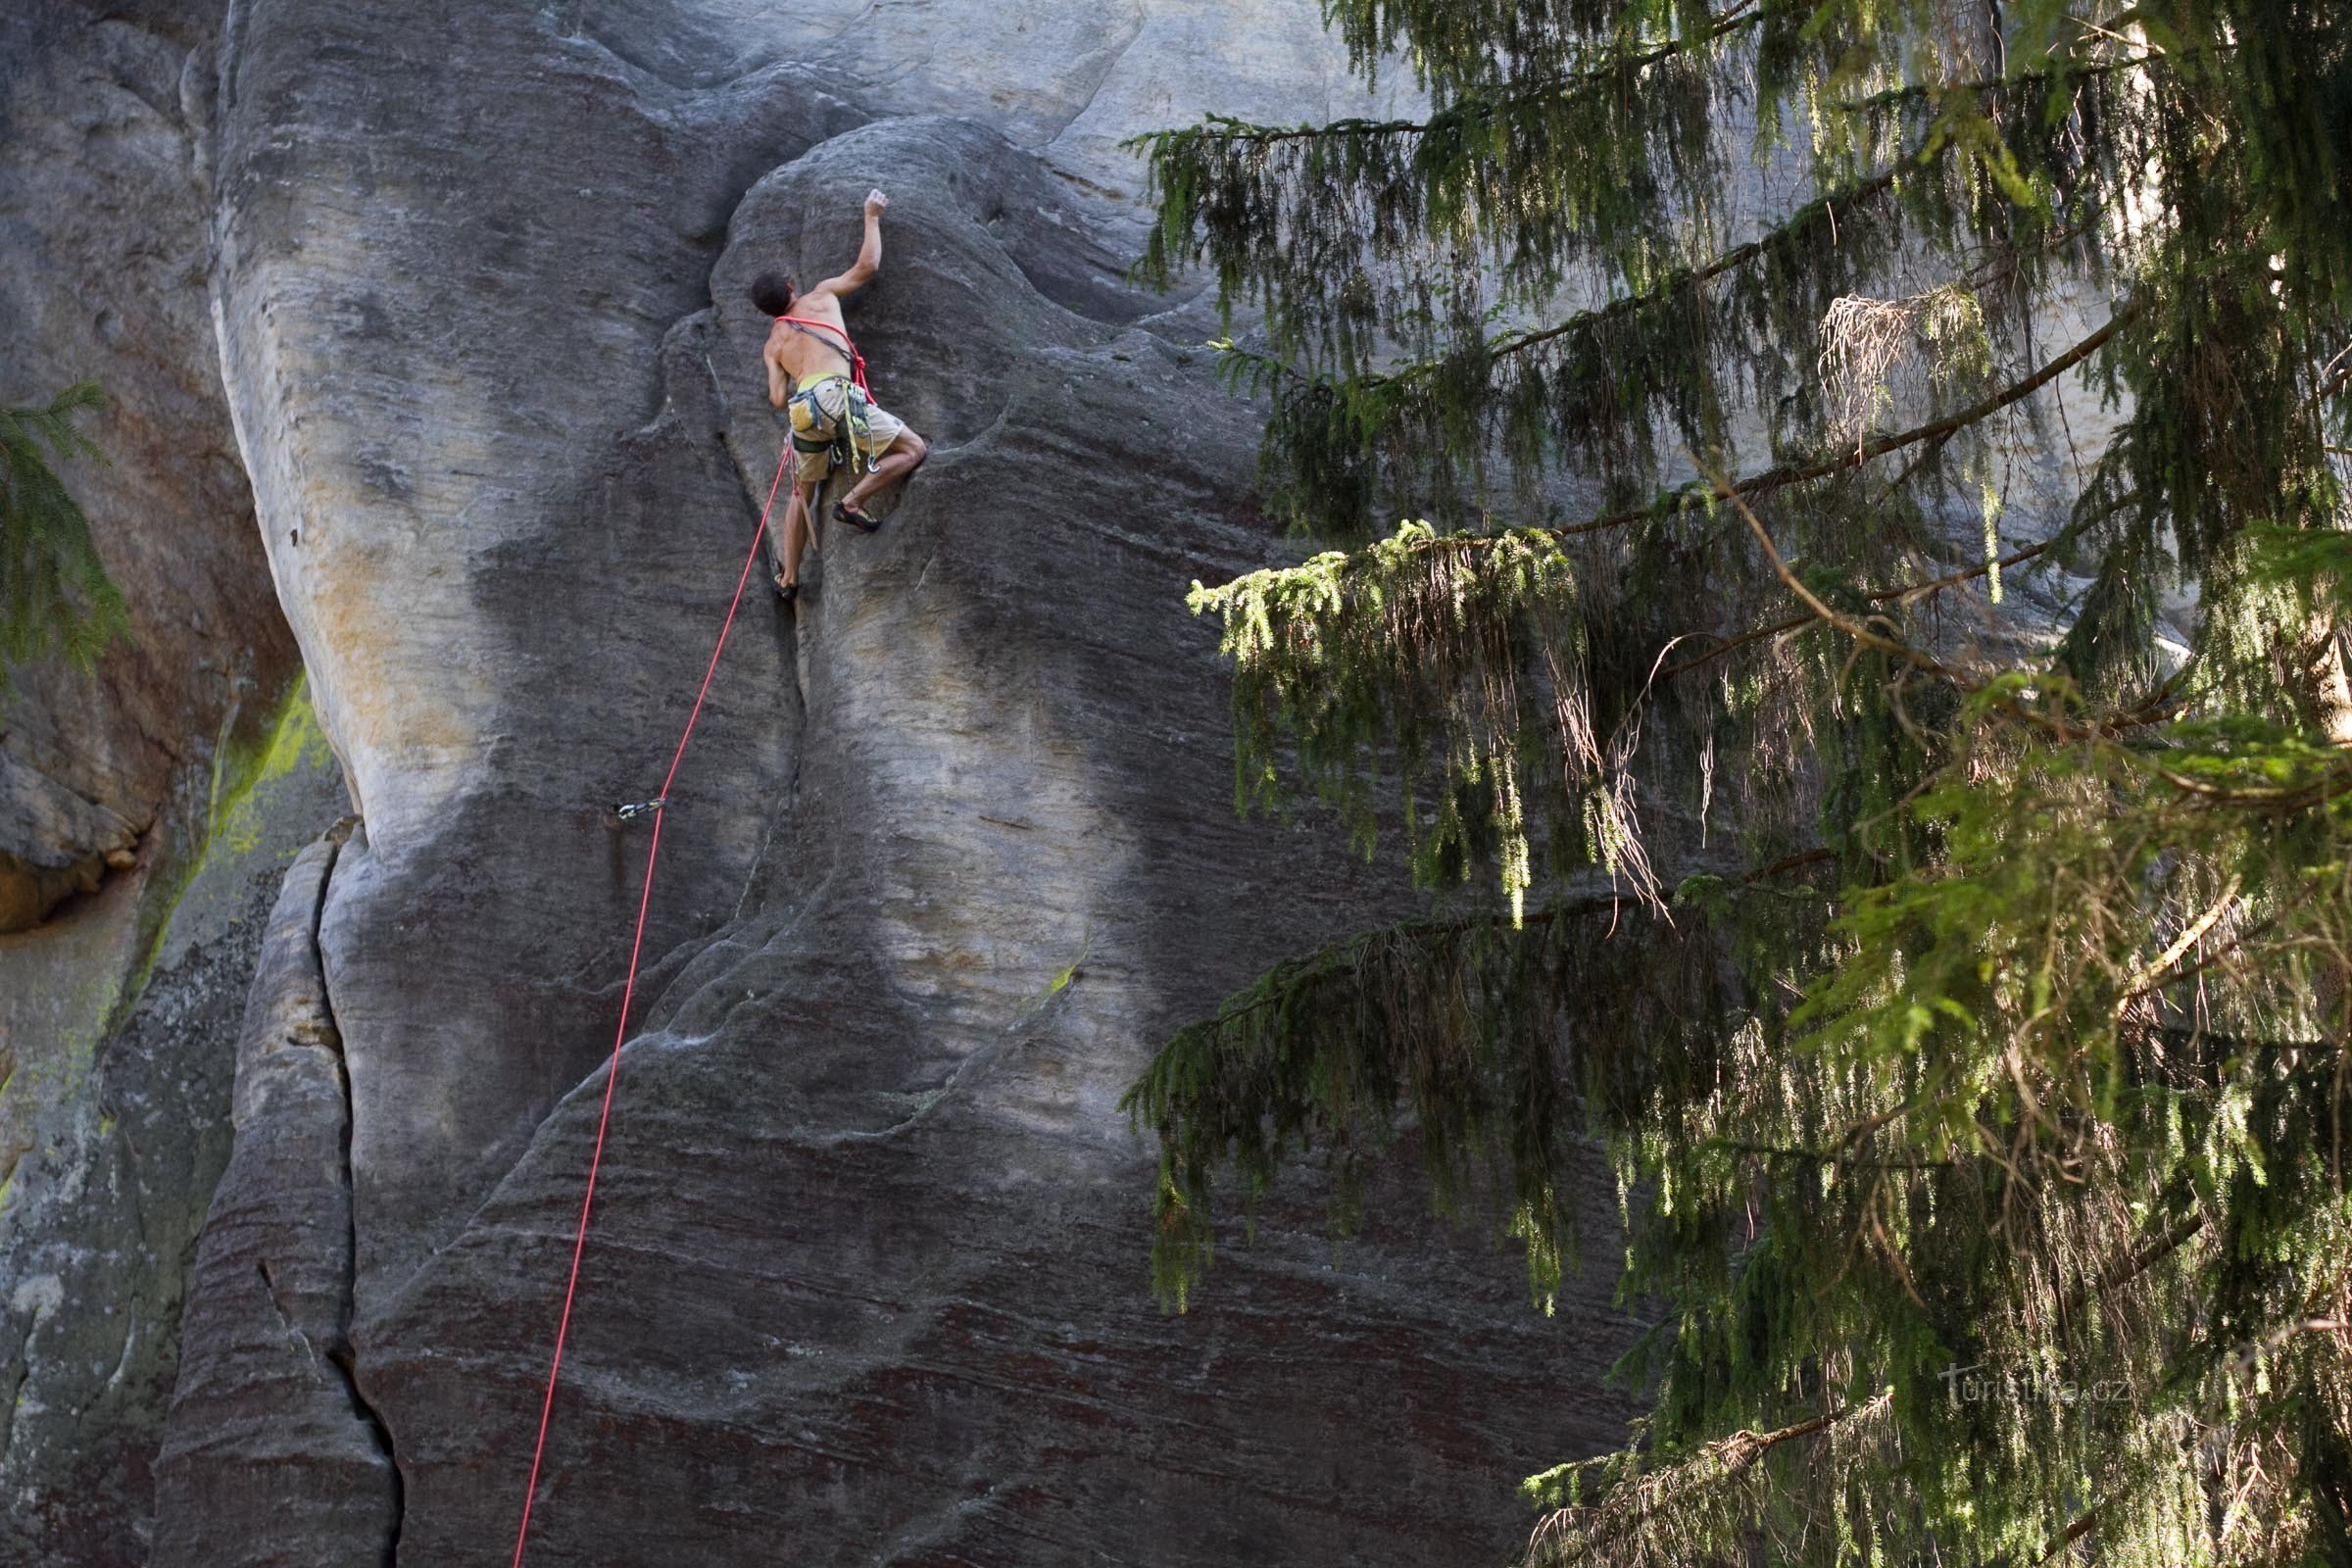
{"type": "Point", "coordinates": [869, 254]}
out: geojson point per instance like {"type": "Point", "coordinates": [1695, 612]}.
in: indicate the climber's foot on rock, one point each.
{"type": "Point", "coordinates": [786, 591]}
{"type": "Point", "coordinates": [856, 518]}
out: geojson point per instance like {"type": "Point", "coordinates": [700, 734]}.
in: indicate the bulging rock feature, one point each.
{"type": "Point", "coordinates": [105, 197]}
{"type": "Point", "coordinates": [951, 851]}
{"type": "Point", "coordinates": [125, 923]}
{"type": "Point", "coordinates": [53, 844]}
{"type": "Point", "coordinates": [866, 1273]}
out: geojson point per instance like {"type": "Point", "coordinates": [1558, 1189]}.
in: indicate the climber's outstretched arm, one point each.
{"type": "Point", "coordinates": [869, 254]}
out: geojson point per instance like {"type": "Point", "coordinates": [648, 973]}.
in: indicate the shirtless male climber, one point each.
{"type": "Point", "coordinates": [813, 372]}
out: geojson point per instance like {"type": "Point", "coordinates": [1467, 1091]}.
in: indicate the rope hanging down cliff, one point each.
{"type": "Point", "coordinates": [628, 993]}
{"type": "Point", "coordinates": [900, 451]}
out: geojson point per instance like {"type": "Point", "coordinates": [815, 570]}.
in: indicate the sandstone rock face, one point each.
{"type": "Point", "coordinates": [141, 830]}
{"type": "Point", "coordinates": [265, 1406]}
{"type": "Point", "coordinates": [105, 203]}
{"type": "Point", "coordinates": [951, 851]}
{"type": "Point", "coordinates": [122, 1032]}
{"type": "Point", "coordinates": [866, 1275]}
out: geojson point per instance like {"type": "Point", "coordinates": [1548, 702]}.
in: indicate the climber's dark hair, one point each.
{"type": "Point", "coordinates": [772, 293]}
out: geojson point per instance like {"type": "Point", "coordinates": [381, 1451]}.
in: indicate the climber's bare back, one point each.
{"type": "Point", "coordinates": [800, 352]}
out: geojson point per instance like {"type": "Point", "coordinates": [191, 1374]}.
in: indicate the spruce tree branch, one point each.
{"type": "Point", "coordinates": [1570, 1535]}
{"type": "Point", "coordinates": [2326, 785]}
{"type": "Point", "coordinates": [2254, 1350]}
{"type": "Point", "coordinates": [2262, 927]}
{"type": "Point", "coordinates": [2330, 783]}
{"type": "Point", "coordinates": [2075, 1529]}
{"type": "Point", "coordinates": [1734, 644]}
{"type": "Point", "coordinates": [2118, 1274]}
{"type": "Point", "coordinates": [1828, 1156]}
{"type": "Point", "coordinates": [2148, 973]}
{"type": "Point", "coordinates": [1851, 627]}
{"type": "Point", "coordinates": [2065, 73]}
{"type": "Point", "coordinates": [1504, 345]}
{"type": "Point", "coordinates": [1915, 592]}
{"type": "Point", "coordinates": [1786, 474]}
{"type": "Point", "coordinates": [1240, 132]}
{"type": "Point", "coordinates": [1280, 981]}
{"type": "Point", "coordinates": [1226, 130]}
{"type": "Point", "coordinates": [1786, 864]}
{"type": "Point", "coordinates": [1729, 261]}
{"type": "Point", "coordinates": [1777, 478]}
{"type": "Point", "coordinates": [1905, 596]}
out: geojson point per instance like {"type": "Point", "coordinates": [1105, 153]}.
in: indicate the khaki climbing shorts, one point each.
{"type": "Point", "coordinates": [832, 400]}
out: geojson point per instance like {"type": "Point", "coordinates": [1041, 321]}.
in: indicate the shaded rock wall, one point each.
{"type": "Point", "coordinates": [145, 809]}
{"type": "Point", "coordinates": [265, 1408]}
{"type": "Point", "coordinates": [125, 1024]}
{"type": "Point", "coordinates": [105, 203]}
{"type": "Point", "coordinates": [954, 848]}
{"type": "Point", "coordinates": [867, 1276]}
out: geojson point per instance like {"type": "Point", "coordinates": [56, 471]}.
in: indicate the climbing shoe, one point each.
{"type": "Point", "coordinates": [856, 518]}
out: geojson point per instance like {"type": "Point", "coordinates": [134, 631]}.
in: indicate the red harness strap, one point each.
{"type": "Point", "coordinates": [856, 360]}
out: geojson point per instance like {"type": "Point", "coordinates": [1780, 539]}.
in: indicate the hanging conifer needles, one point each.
{"type": "Point", "coordinates": [1979, 1097]}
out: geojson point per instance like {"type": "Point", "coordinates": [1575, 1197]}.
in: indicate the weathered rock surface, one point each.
{"type": "Point", "coordinates": [124, 1031]}
{"type": "Point", "coordinates": [105, 205]}
{"type": "Point", "coordinates": [265, 1408]}
{"type": "Point", "coordinates": [865, 1277]}
{"type": "Point", "coordinates": [953, 850]}
{"type": "Point", "coordinates": [139, 826]}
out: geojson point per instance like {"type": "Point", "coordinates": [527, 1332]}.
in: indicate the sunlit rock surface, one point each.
{"type": "Point", "coordinates": [953, 851]}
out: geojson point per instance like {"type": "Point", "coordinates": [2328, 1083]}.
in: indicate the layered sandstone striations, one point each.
{"type": "Point", "coordinates": [953, 851]}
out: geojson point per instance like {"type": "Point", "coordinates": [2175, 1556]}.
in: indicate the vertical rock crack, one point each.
{"type": "Point", "coordinates": [343, 1354]}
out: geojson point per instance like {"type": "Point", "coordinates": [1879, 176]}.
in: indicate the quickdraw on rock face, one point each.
{"type": "Point", "coordinates": [847, 422]}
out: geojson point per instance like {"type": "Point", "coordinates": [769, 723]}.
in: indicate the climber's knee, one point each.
{"type": "Point", "coordinates": [916, 448]}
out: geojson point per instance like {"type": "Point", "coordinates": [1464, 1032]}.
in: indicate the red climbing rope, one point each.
{"type": "Point", "coordinates": [628, 992]}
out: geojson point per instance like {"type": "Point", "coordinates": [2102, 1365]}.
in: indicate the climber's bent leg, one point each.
{"type": "Point", "coordinates": [901, 458]}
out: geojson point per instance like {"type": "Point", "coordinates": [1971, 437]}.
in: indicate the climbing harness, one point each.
{"type": "Point", "coordinates": [628, 993]}
{"type": "Point", "coordinates": [843, 431]}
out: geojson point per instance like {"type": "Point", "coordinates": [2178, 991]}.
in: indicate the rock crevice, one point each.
{"type": "Point", "coordinates": [951, 850]}
{"type": "Point", "coordinates": [270, 1392]}
{"type": "Point", "coordinates": [866, 1229]}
